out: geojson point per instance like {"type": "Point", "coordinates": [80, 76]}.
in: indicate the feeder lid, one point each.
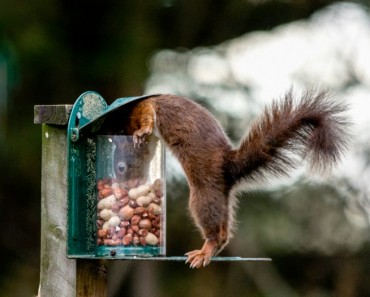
{"type": "Point", "coordinates": [91, 107]}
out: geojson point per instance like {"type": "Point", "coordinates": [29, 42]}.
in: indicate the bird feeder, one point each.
{"type": "Point", "coordinates": [116, 189]}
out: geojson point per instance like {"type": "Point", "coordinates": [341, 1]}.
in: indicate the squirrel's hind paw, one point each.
{"type": "Point", "coordinates": [198, 259]}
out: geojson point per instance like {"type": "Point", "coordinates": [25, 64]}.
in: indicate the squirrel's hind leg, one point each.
{"type": "Point", "coordinates": [212, 219]}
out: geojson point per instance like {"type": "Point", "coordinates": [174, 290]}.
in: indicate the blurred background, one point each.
{"type": "Point", "coordinates": [233, 57]}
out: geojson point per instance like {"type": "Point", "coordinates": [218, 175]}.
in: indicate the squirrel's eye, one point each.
{"type": "Point", "coordinates": [121, 167]}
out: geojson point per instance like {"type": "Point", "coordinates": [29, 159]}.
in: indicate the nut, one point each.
{"type": "Point", "coordinates": [126, 212]}
{"type": "Point", "coordinates": [119, 193]}
{"type": "Point", "coordinates": [135, 240]}
{"type": "Point", "coordinates": [143, 232]}
{"type": "Point", "coordinates": [135, 220]}
{"type": "Point", "coordinates": [102, 233]}
{"type": "Point", "coordinates": [115, 208]}
{"type": "Point", "coordinates": [139, 191]}
{"type": "Point", "coordinates": [114, 221]}
{"type": "Point", "coordinates": [129, 217]}
{"type": "Point", "coordinates": [106, 214]}
{"type": "Point", "coordinates": [100, 185]}
{"type": "Point", "coordinates": [135, 228]}
{"type": "Point", "coordinates": [144, 200]}
{"type": "Point", "coordinates": [158, 188]}
{"type": "Point", "coordinates": [155, 208]}
{"type": "Point", "coordinates": [105, 192]}
{"type": "Point", "coordinates": [127, 239]}
{"type": "Point", "coordinates": [107, 202]}
{"type": "Point", "coordinates": [145, 224]}
{"type": "Point", "coordinates": [139, 210]}
{"type": "Point", "coordinates": [111, 232]}
{"type": "Point", "coordinates": [151, 239]}
{"type": "Point", "coordinates": [142, 241]}
{"type": "Point", "coordinates": [106, 226]}
{"type": "Point", "coordinates": [124, 224]}
{"type": "Point", "coordinates": [124, 201]}
{"type": "Point", "coordinates": [121, 233]}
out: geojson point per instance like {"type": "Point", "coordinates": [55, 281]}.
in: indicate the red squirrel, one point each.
{"type": "Point", "coordinates": [312, 128]}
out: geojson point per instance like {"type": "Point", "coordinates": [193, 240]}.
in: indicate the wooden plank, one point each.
{"type": "Point", "coordinates": [60, 276]}
{"type": "Point", "coordinates": [91, 278]}
{"type": "Point", "coordinates": [57, 272]}
{"type": "Point", "coordinates": [52, 114]}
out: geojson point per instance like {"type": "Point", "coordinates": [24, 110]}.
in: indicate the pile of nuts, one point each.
{"type": "Point", "coordinates": [129, 217]}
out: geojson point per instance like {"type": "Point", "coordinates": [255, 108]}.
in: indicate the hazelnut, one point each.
{"type": "Point", "coordinates": [135, 228]}
{"type": "Point", "coordinates": [124, 224]}
{"type": "Point", "coordinates": [116, 242]}
{"type": "Point", "coordinates": [105, 192]}
{"type": "Point", "coordinates": [151, 239]}
{"type": "Point", "coordinates": [111, 231]}
{"type": "Point", "coordinates": [155, 208]}
{"type": "Point", "coordinates": [102, 233]}
{"type": "Point", "coordinates": [135, 240]}
{"type": "Point", "coordinates": [139, 210]}
{"type": "Point", "coordinates": [142, 241]}
{"type": "Point", "coordinates": [124, 201]}
{"type": "Point", "coordinates": [143, 232]}
{"type": "Point", "coordinates": [100, 185]}
{"type": "Point", "coordinates": [99, 223]}
{"type": "Point", "coordinates": [126, 212]}
{"type": "Point", "coordinates": [145, 224]}
{"type": "Point", "coordinates": [115, 208]}
{"type": "Point", "coordinates": [119, 193]}
{"type": "Point", "coordinates": [133, 204]}
{"type": "Point", "coordinates": [127, 239]}
{"type": "Point", "coordinates": [121, 233]}
{"type": "Point", "coordinates": [135, 220]}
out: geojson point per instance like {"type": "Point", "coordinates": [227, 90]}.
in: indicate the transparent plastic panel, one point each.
{"type": "Point", "coordinates": [131, 206]}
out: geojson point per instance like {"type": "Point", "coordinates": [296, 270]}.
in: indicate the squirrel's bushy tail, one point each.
{"type": "Point", "coordinates": [313, 129]}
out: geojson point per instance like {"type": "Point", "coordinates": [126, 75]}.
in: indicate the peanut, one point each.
{"type": "Point", "coordinates": [129, 217]}
{"type": "Point", "coordinates": [107, 202]}
{"type": "Point", "coordinates": [144, 200]}
{"type": "Point", "coordinates": [139, 191]}
{"type": "Point", "coordinates": [106, 214]}
{"type": "Point", "coordinates": [114, 221]}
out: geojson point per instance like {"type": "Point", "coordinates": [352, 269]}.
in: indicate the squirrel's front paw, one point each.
{"type": "Point", "coordinates": [140, 136]}
{"type": "Point", "coordinates": [198, 259]}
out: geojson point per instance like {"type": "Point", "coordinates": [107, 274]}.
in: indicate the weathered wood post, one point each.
{"type": "Point", "coordinates": [60, 276]}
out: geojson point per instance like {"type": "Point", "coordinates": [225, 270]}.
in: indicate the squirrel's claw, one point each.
{"type": "Point", "coordinates": [197, 259]}
{"type": "Point", "coordinates": [140, 136]}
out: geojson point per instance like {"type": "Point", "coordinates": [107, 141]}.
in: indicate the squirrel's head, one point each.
{"type": "Point", "coordinates": [131, 162]}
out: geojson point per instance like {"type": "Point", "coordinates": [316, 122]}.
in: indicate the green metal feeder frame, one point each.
{"type": "Point", "coordinates": [88, 115]}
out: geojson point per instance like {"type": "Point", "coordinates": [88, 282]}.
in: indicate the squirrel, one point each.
{"type": "Point", "coordinates": [312, 128]}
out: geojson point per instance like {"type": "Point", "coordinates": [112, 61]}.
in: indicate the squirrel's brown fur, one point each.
{"type": "Point", "coordinates": [312, 129]}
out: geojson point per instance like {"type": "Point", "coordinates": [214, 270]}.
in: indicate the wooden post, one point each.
{"type": "Point", "coordinates": [60, 276]}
